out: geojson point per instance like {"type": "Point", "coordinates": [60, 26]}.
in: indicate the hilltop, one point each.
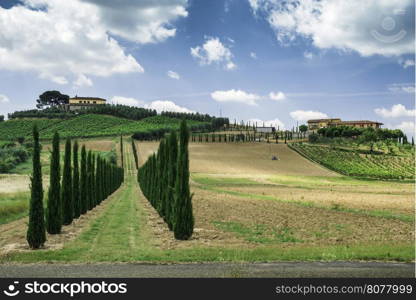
{"type": "Point", "coordinates": [88, 125]}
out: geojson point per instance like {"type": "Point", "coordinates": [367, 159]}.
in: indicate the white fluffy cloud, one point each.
{"type": "Point", "coordinates": [402, 88]}
{"type": "Point", "coordinates": [396, 111]}
{"type": "Point", "coordinates": [82, 80]}
{"type": "Point", "coordinates": [274, 123]}
{"type": "Point", "coordinates": [144, 21]}
{"type": "Point", "coordinates": [406, 63]}
{"type": "Point", "coordinates": [213, 51]}
{"type": "Point", "coordinates": [369, 27]}
{"type": "Point", "coordinates": [173, 75]}
{"type": "Point", "coordinates": [126, 101]}
{"type": "Point", "coordinates": [69, 40]}
{"type": "Point", "coordinates": [158, 105]}
{"type": "Point", "coordinates": [408, 127]}
{"type": "Point", "coordinates": [4, 99]}
{"type": "Point", "coordinates": [308, 55]}
{"type": "Point", "coordinates": [164, 105]}
{"type": "Point", "coordinates": [279, 96]}
{"type": "Point", "coordinates": [238, 96]}
{"type": "Point", "coordinates": [304, 115]}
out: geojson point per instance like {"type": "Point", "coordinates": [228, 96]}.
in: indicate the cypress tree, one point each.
{"type": "Point", "coordinates": [121, 151]}
{"type": "Point", "coordinates": [67, 204]}
{"type": "Point", "coordinates": [89, 180]}
{"type": "Point", "coordinates": [54, 207]}
{"type": "Point", "coordinates": [97, 181]}
{"type": "Point", "coordinates": [413, 141]}
{"type": "Point", "coordinates": [136, 159]}
{"type": "Point", "coordinates": [76, 183]}
{"type": "Point", "coordinates": [83, 179]}
{"type": "Point", "coordinates": [183, 224]}
{"type": "Point", "coordinates": [36, 233]}
{"type": "Point", "coordinates": [172, 161]}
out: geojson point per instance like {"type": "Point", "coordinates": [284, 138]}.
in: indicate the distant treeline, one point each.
{"type": "Point", "coordinates": [188, 116]}
{"type": "Point", "coordinates": [349, 131]}
{"type": "Point", "coordinates": [157, 134]}
{"type": "Point", "coordinates": [122, 111]}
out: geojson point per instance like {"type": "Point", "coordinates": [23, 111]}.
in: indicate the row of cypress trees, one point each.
{"type": "Point", "coordinates": [164, 181]}
{"type": "Point", "coordinates": [136, 158]}
{"type": "Point", "coordinates": [78, 192]}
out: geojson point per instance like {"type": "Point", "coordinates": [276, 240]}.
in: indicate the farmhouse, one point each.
{"type": "Point", "coordinates": [324, 123]}
{"type": "Point", "coordinates": [82, 102]}
{"type": "Point", "coordinates": [265, 129]}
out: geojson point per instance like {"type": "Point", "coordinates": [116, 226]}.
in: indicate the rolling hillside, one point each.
{"type": "Point", "coordinates": [91, 125]}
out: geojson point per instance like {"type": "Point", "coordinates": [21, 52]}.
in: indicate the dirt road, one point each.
{"type": "Point", "coordinates": [271, 270]}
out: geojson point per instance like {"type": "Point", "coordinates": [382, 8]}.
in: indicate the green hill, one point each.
{"type": "Point", "coordinates": [91, 125]}
{"type": "Point", "coordinates": [354, 163]}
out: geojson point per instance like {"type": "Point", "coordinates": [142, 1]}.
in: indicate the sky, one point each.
{"type": "Point", "coordinates": [279, 62]}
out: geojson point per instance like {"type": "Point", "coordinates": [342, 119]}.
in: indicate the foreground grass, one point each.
{"type": "Point", "coordinates": [210, 184]}
{"type": "Point", "coordinates": [120, 234]}
{"type": "Point", "coordinates": [13, 206]}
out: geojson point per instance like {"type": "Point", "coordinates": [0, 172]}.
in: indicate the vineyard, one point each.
{"type": "Point", "coordinates": [353, 163]}
{"type": "Point", "coordinates": [92, 125]}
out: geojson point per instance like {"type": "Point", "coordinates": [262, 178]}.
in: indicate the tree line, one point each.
{"type": "Point", "coordinates": [349, 131]}
{"type": "Point", "coordinates": [59, 112]}
{"type": "Point", "coordinates": [83, 186]}
{"type": "Point", "coordinates": [164, 181]}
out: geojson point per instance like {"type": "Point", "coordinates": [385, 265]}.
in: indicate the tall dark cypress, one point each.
{"type": "Point", "coordinates": [183, 224]}
{"type": "Point", "coordinates": [54, 207]}
{"type": "Point", "coordinates": [97, 188]}
{"type": "Point", "coordinates": [67, 204]}
{"type": "Point", "coordinates": [121, 151]}
{"type": "Point", "coordinates": [36, 233]}
{"type": "Point", "coordinates": [136, 159]}
{"type": "Point", "coordinates": [76, 183]}
{"type": "Point", "coordinates": [172, 161]}
{"type": "Point", "coordinates": [84, 183]}
{"type": "Point", "coordinates": [89, 180]}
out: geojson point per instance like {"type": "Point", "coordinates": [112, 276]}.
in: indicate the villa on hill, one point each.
{"type": "Point", "coordinates": [324, 123]}
{"type": "Point", "coordinates": [83, 102]}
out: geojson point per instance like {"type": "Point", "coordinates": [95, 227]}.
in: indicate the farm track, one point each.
{"type": "Point", "coordinates": [222, 270]}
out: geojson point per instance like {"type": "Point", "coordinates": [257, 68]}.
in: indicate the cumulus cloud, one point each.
{"type": "Point", "coordinates": [408, 127]}
{"type": "Point", "coordinates": [82, 80]}
{"type": "Point", "coordinates": [144, 21]}
{"type": "Point", "coordinates": [70, 40]}
{"type": "Point", "coordinates": [238, 96]}
{"type": "Point", "coordinates": [402, 88]}
{"type": "Point", "coordinates": [308, 55]}
{"type": "Point", "coordinates": [396, 111]}
{"type": "Point", "coordinates": [4, 99]}
{"type": "Point", "coordinates": [304, 115]}
{"type": "Point", "coordinates": [370, 27]}
{"type": "Point", "coordinates": [164, 105]}
{"type": "Point", "coordinates": [406, 63]}
{"type": "Point", "coordinates": [270, 123]}
{"type": "Point", "coordinates": [214, 52]}
{"type": "Point", "coordinates": [173, 75]}
{"type": "Point", "coordinates": [126, 101]}
{"type": "Point", "coordinates": [158, 105]}
{"type": "Point", "coordinates": [279, 96]}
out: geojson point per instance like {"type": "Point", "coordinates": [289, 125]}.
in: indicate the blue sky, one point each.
{"type": "Point", "coordinates": [315, 59]}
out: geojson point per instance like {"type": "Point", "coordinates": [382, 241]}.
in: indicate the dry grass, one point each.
{"type": "Point", "coordinates": [244, 158]}
{"type": "Point", "coordinates": [332, 197]}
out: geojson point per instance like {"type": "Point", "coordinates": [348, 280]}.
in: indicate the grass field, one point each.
{"type": "Point", "coordinates": [247, 208]}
